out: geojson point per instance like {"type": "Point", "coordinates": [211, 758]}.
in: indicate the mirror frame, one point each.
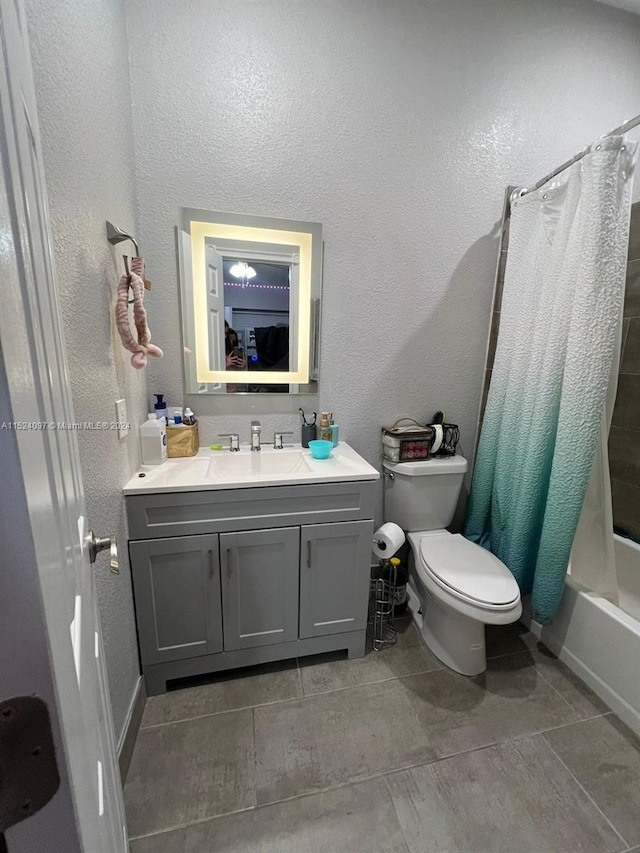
{"type": "Point", "coordinates": [199, 228]}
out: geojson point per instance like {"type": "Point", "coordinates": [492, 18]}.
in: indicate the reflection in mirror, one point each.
{"type": "Point", "coordinates": [256, 315]}
{"type": "Point", "coordinates": [250, 297]}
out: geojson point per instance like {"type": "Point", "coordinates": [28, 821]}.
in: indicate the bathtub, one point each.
{"type": "Point", "coordinates": [601, 642]}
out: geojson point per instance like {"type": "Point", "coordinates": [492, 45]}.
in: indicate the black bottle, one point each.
{"type": "Point", "coordinates": [401, 600]}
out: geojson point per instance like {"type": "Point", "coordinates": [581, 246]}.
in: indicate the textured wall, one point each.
{"type": "Point", "coordinates": [624, 438]}
{"type": "Point", "coordinates": [79, 55]}
{"type": "Point", "coordinates": [396, 125]}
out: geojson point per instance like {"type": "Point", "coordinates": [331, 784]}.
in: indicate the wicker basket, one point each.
{"type": "Point", "coordinates": [182, 440]}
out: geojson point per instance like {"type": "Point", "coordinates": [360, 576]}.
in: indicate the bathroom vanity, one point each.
{"type": "Point", "coordinates": [243, 558]}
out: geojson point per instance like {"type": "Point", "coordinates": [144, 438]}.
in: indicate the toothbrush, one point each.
{"type": "Point", "coordinates": [304, 418]}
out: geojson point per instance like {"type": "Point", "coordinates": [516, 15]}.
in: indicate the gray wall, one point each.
{"type": "Point", "coordinates": [624, 438]}
{"type": "Point", "coordinates": [261, 300]}
{"type": "Point", "coordinates": [396, 125]}
{"type": "Point", "coordinates": [79, 52]}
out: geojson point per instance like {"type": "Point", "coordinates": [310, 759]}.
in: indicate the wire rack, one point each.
{"type": "Point", "coordinates": [381, 601]}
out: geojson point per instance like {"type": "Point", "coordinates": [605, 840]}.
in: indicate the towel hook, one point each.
{"type": "Point", "coordinates": [116, 235]}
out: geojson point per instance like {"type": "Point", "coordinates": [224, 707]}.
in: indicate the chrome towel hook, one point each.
{"type": "Point", "coordinates": [116, 235]}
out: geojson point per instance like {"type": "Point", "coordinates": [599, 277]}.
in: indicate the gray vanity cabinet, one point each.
{"type": "Point", "coordinates": [177, 587]}
{"type": "Point", "coordinates": [334, 577]}
{"type": "Point", "coordinates": [230, 578]}
{"type": "Point", "coordinates": [260, 587]}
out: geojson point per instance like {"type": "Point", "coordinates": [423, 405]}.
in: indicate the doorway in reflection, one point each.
{"type": "Point", "coordinates": [256, 313]}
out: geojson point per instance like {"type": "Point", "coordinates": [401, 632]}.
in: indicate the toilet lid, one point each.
{"type": "Point", "coordinates": [469, 570]}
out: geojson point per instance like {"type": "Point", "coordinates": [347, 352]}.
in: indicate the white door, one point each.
{"type": "Point", "coordinates": [34, 388]}
{"type": "Point", "coordinates": [215, 314]}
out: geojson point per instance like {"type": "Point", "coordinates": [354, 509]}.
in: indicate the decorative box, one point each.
{"type": "Point", "coordinates": [406, 440]}
{"type": "Point", "coordinates": [182, 440]}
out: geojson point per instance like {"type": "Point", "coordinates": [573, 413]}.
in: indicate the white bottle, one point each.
{"type": "Point", "coordinates": [153, 440]}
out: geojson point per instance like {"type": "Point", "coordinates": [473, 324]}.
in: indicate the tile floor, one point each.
{"type": "Point", "coordinates": [391, 753]}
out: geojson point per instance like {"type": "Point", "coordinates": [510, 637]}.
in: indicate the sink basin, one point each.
{"type": "Point", "coordinates": [221, 469]}
{"type": "Point", "coordinates": [255, 464]}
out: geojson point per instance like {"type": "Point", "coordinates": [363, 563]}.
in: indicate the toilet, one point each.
{"type": "Point", "coordinates": [455, 586]}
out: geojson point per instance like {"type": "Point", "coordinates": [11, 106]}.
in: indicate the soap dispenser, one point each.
{"type": "Point", "coordinates": [161, 407]}
{"type": "Point", "coordinates": [324, 427]}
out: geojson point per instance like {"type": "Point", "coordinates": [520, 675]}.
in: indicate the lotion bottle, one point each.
{"type": "Point", "coordinates": [324, 427]}
{"type": "Point", "coordinates": [334, 430]}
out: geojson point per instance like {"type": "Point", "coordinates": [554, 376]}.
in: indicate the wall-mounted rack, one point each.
{"type": "Point", "coordinates": [116, 235]}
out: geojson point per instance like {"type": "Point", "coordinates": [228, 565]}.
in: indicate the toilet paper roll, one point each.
{"type": "Point", "coordinates": [387, 539]}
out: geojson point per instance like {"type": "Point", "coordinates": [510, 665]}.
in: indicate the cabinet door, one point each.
{"type": "Point", "coordinates": [177, 592]}
{"type": "Point", "coordinates": [260, 574]}
{"type": "Point", "coordinates": [335, 566]}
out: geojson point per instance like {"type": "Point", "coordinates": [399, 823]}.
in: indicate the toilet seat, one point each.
{"type": "Point", "coordinates": [468, 572]}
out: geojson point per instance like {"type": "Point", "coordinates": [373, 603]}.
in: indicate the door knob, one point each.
{"type": "Point", "coordinates": [97, 544]}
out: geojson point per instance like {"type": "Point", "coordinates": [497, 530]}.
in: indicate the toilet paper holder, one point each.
{"type": "Point", "coordinates": [383, 596]}
{"type": "Point", "coordinates": [386, 542]}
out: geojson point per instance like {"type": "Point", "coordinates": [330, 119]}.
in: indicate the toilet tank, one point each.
{"type": "Point", "coordinates": [423, 495]}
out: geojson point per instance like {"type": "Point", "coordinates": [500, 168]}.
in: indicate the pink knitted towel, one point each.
{"type": "Point", "coordinates": [143, 346]}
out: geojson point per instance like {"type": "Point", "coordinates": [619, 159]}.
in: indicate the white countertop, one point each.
{"type": "Point", "coordinates": [221, 469]}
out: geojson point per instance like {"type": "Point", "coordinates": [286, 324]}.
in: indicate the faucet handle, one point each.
{"type": "Point", "coordinates": [277, 440]}
{"type": "Point", "coordinates": [234, 440]}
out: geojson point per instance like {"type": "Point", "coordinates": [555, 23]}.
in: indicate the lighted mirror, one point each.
{"type": "Point", "coordinates": [250, 289]}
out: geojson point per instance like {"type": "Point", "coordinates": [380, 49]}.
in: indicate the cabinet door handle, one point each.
{"type": "Point", "coordinates": [211, 572]}
{"type": "Point", "coordinates": [308, 553]}
{"type": "Point", "coordinates": [229, 565]}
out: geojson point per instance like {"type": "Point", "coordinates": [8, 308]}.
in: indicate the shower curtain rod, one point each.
{"type": "Point", "coordinates": [624, 127]}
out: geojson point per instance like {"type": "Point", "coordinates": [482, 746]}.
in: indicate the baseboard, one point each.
{"type": "Point", "coordinates": [622, 708]}
{"type": "Point", "coordinates": [130, 729]}
{"type": "Point", "coordinates": [627, 713]}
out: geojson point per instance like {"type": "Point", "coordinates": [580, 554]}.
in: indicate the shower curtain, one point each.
{"type": "Point", "coordinates": [563, 292]}
{"type": "Point", "coordinates": [593, 560]}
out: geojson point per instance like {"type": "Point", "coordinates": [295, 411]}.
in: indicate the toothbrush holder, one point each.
{"type": "Point", "coordinates": [308, 434]}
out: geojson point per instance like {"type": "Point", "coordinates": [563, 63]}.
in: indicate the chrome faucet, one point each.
{"type": "Point", "coordinates": [277, 440]}
{"type": "Point", "coordinates": [256, 429]}
{"type": "Point", "coordinates": [234, 440]}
